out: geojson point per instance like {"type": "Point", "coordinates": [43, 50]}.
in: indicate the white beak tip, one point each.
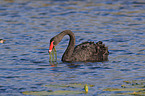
{"type": "Point", "coordinates": [50, 51]}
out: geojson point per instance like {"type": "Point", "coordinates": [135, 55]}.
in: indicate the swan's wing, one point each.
{"type": "Point", "coordinates": [84, 51]}
{"type": "Point", "coordinates": [89, 51]}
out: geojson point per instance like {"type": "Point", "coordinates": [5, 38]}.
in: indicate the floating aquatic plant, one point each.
{"type": "Point", "coordinates": [86, 88]}
{"type": "Point", "coordinates": [69, 85]}
{"type": "Point", "coordinates": [135, 87]}
{"type": "Point", "coordinates": [60, 92]}
{"type": "Point", "coordinates": [124, 89]}
{"type": "Point", "coordinates": [51, 55]}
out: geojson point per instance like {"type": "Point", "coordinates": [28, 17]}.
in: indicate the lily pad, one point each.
{"type": "Point", "coordinates": [135, 82]}
{"type": "Point", "coordinates": [133, 93]}
{"type": "Point", "coordinates": [68, 85]}
{"type": "Point", "coordinates": [133, 86]}
{"type": "Point", "coordinates": [136, 87]}
{"type": "Point", "coordinates": [124, 89]}
{"type": "Point", "coordinates": [59, 92]}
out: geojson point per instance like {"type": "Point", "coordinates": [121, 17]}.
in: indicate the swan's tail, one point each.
{"type": "Point", "coordinates": [102, 50]}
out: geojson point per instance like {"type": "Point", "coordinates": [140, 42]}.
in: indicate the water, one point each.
{"type": "Point", "coordinates": [28, 25]}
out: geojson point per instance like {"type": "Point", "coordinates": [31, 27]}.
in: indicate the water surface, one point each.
{"type": "Point", "coordinates": [28, 25]}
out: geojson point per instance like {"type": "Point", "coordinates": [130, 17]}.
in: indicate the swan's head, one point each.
{"type": "Point", "coordinates": [53, 42]}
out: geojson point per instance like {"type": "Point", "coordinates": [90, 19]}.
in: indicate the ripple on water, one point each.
{"type": "Point", "coordinates": [28, 25]}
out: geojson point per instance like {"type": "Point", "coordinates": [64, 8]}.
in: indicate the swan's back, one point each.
{"type": "Point", "coordinates": [89, 51]}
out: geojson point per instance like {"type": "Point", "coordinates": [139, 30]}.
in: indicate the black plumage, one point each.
{"type": "Point", "coordinates": [86, 51]}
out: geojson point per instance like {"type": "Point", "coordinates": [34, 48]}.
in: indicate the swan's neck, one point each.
{"type": "Point", "coordinates": [68, 52]}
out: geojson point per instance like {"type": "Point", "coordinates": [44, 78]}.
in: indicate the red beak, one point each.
{"type": "Point", "coordinates": [51, 46]}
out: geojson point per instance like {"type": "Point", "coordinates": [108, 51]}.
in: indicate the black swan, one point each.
{"type": "Point", "coordinates": [86, 51]}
